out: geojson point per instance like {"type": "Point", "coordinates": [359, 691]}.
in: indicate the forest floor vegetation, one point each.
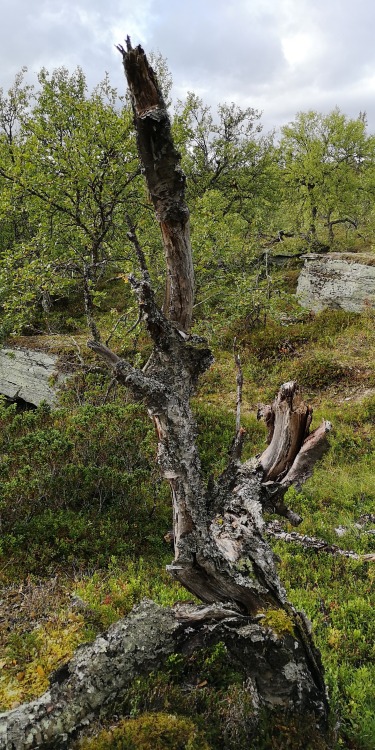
{"type": "Point", "coordinates": [84, 517]}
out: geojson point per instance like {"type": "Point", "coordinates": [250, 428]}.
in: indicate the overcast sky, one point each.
{"type": "Point", "coordinates": [280, 56]}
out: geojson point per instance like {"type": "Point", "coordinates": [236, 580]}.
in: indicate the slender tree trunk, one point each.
{"type": "Point", "coordinates": [89, 305]}
{"type": "Point", "coordinates": [331, 236]}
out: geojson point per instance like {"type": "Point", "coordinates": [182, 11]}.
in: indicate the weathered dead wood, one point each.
{"type": "Point", "coordinates": [275, 530]}
{"type": "Point", "coordinates": [165, 182]}
{"type": "Point", "coordinates": [292, 453]}
{"type": "Point", "coordinates": [100, 673]}
{"type": "Point", "coordinates": [220, 551]}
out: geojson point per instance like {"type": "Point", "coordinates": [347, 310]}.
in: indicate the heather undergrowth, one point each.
{"type": "Point", "coordinates": [82, 507]}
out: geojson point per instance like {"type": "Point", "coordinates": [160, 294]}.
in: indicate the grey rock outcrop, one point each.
{"type": "Point", "coordinates": [29, 375]}
{"type": "Point", "coordinates": [338, 280]}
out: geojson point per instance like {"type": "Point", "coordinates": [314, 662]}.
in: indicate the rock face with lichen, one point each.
{"type": "Point", "coordinates": [337, 280]}
{"type": "Point", "coordinates": [29, 375]}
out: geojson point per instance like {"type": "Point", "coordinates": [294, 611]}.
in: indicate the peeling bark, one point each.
{"type": "Point", "coordinates": [165, 182]}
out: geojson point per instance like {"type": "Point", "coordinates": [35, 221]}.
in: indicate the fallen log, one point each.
{"type": "Point", "coordinates": [99, 674]}
{"type": "Point", "coordinates": [275, 530]}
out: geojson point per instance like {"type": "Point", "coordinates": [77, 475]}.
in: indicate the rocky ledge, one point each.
{"type": "Point", "coordinates": [29, 375]}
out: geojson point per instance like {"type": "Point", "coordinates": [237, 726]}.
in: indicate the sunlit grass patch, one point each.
{"type": "Point", "coordinates": [106, 596]}
{"type": "Point", "coordinates": [29, 657]}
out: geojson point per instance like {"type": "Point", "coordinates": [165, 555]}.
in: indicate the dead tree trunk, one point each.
{"type": "Point", "coordinates": [221, 555]}
{"type": "Point", "coordinates": [165, 182]}
{"type": "Point", "coordinates": [220, 552]}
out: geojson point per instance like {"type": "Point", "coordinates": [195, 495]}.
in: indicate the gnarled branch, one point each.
{"type": "Point", "coordinates": [275, 530]}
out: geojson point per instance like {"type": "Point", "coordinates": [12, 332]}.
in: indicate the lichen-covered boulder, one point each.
{"type": "Point", "coordinates": [29, 374]}
{"type": "Point", "coordinates": [338, 280]}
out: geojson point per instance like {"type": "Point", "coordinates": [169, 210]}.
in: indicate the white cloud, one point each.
{"type": "Point", "coordinates": [277, 55]}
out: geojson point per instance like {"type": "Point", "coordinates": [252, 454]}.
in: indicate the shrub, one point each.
{"type": "Point", "coordinates": [69, 478]}
{"type": "Point", "coordinates": [318, 371]}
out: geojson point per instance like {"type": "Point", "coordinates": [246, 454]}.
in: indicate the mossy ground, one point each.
{"type": "Point", "coordinates": [157, 731]}
{"type": "Point", "coordinates": [84, 515]}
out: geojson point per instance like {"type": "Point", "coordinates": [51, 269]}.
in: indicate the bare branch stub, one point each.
{"type": "Point", "coordinates": [292, 418]}
{"type": "Point", "coordinates": [292, 452]}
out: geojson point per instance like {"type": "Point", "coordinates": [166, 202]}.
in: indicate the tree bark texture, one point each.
{"type": "Point", "coordinates": [100, 673]}
{"type": "Point", "coordinates": [165, 182]}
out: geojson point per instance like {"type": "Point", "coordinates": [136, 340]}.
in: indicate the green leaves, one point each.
{"type": "Point", "coordinates": [326, 160]}
{"type": "Point", "coordinates": [225, 152]}
{"type": "Point", "coordinates": [67, 173]}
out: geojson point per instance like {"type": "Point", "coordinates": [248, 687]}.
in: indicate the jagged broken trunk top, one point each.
{"type": "Point", "coordinates": [165, 182]}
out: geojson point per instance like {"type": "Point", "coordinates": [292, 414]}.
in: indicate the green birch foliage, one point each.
{"type": "Point", "coordinates": [74, 166]}
{"type": "Point", "coordinates": [233, 187]}
{"type": "Point", "coordinates": [326, 162]}
{"type": "Point", "coordinates": [226, 151]}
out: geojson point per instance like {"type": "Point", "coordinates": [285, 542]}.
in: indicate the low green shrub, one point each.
{"type": "Point", "coordinates": [69, 478]}
{"type": "Point", "coordinates": [317, 371]}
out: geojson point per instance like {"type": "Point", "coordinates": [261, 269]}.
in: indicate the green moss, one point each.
{"type": "Point", "coordinates": [279, 621]}
{"type": "Point", "coordinates": [29, 657]}
{"type": "Point", "coordinates": [151, 731]}
{"type": "Point", "coordinates": [245, 566]}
